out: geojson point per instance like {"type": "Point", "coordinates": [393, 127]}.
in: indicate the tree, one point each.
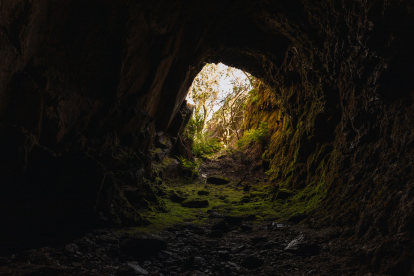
{"type": "Point", "coordinates": [205, 89]}
{"type": "Point", "coordinates": [226, 122]}
{"type": "Point", "coordinates": [208, 94]}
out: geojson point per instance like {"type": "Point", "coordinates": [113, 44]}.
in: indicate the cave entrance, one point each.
{"type": "Point", "coordinates": [218, 168]}
{"type": "Point", "coordinates": [219, 94]}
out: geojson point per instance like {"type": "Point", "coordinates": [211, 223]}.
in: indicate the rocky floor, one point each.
{"type": "Point", "coordinates": [222, 243]}
{"type": "Point", "coordinates": [223, 246]}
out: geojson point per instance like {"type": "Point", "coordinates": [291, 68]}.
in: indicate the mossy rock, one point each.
{"type": "Point", "coordinates": [195, 203]}
{"type": "Point", "coordinates": [175, 197]}
{"type": "Point", "coordinates": [284, 194]}
{"type": "Point", "coordinates": [203, 192]}
{"type": "Point", "coordinates": [245, 199]}
{"type": "Point", "coordinates": [218, 180]}
{"type": "Point", "coordinates": [258, 194]}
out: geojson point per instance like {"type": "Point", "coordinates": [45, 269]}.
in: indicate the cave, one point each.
{"type": "Point", "coordinates": [89, 88]}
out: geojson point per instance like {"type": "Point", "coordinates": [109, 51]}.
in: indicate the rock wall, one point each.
{"type": "Point", "coordinates": [91, 82]}
{"type": "Point", "coordinates": [342, 134]}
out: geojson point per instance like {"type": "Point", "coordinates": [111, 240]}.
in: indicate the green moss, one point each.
{"type": "Point", "coordinates": [223, 199]}
{"type": "Point", "coordinates": [298, 167]}
{"type": "Point", "coordinates": [309, 199]}
{"type": "Point", "coordinates": [290, 168]}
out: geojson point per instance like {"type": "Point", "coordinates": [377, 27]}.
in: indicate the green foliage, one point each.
{"type": "Point", "coordinates": [195, 125]}
{"type": "Point", "coordinates": [204, 145]}
{"type": "Point", "coordinates": [254, 135]}
{"type": "Point", "coordinates": [193, 166]}
{"type": "Point", "coordinates": [253, 95]}
{"type": "Point", "coordinates": [217, 108]}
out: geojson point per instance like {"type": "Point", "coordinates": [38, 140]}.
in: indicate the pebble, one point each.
{"type": "Point", "coordinates": [138, 270]}
{"type": "Point", "coordinates": [195, 252]}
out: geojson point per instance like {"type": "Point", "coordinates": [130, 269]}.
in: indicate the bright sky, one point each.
{"type": "Point", "coordinates": [224, 86]}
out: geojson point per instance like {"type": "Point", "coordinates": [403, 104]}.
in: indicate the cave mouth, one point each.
{"type": "Point", "coordinates": [230, 173]}
{"type": "Point", "coordinates": [219, 95]}
{"type": "Point", "coordinates": [91, 106]}
{"type": "Point", "coordinates": [217, 158]}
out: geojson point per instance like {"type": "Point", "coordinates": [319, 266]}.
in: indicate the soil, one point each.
{"type": "Point", "coordinates": [229, 237]}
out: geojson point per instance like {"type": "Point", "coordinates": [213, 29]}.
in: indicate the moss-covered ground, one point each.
{"type": "Point", "coordinates": [223, 199]}
{"type": "Point", "coordinates": [226, 200]}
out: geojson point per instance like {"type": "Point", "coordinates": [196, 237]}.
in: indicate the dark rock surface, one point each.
{"type": "Point", "coordinates": [203, 192]}
{"type": "Point", "coordinates": [284, 194]}
{"type": "Point", "coordinates": [142, 246]}
{"type": "Point", "coordinates": [188, 251]}
{"type": "Point", "coordinates": [252, 262]}
{"type": "Point", "coordinates": [297, 217]}
{"type": "Point", "coordinates": [300, 245]}
{"type": "Point", "coordinates": [218, 180]}
{"type": "Point", "coordinates": [86, 85]}
{"type": "Point", "coordinates": [215, 215]}
{"type": "Point", "coordinates": [177, 198]}
{"type": "Point", "coordinates": [195, 203]}
{"type": "Point", "coordinates": [221, 226]}
{"type": "Point", "coordinates": [215, 234]}
{"type": "Point", "coordinates": [131, 268]}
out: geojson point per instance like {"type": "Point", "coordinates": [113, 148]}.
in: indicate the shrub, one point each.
{"type": "Point", "coordinates": [194, 126]}
{"type": "Point", "coordinates": [204, 145]}
{"type": "Point", "coordinates": [193, 166]}
{"type": "Point", "coordinates": [254, 135]}
{"type": "Point", "coordinates": [201, 142]}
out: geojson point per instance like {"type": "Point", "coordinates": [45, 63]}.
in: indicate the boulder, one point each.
{"type": "Point", "coordinates": [234, 220]}
{"type": "Point", "coordinates": [203, 192]}
{"type": "Point", "coordinates": [218, 180]}
{"type": "Point", "coordinates": [174, 197]}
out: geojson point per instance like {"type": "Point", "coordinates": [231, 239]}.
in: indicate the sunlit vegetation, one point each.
{"type": "Point", "coordinates": [254, 135]}
{"type": "Point", "coordinates": [203, 144]}
{"type": "Point", "coordinates": [220, 95]}
{"type": "Point", "coordinates": [235, 122]}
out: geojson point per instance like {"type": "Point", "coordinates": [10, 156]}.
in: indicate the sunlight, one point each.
{"type": "Point", "coordinates": [219, 80]}
{"type": "Point", "coordinates": [220, 95]}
